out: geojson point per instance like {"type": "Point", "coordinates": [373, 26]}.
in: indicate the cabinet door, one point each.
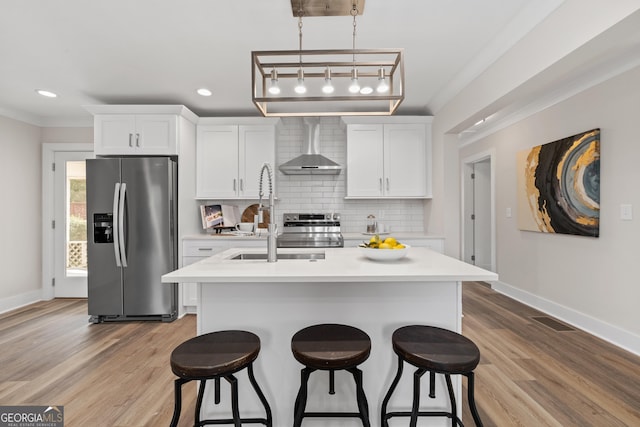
{"type": "Point", "coordinates": [365, 161]}
{"type": "Point", "coordinates": [126, 134]}
{"type": "Point", "coordinates": [114, 134]}
{"type": "Point", "coordinates": [217, 162]}
{"type": "Point", "coordinates": [404, 160]}
{"type": "Point", "coordinates": [156, 135]}
{"type": "Point", "coordinates": [257, 147]}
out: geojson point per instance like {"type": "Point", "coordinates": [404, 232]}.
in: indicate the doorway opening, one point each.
{"type": "Point", "coordinates": [478, 210]}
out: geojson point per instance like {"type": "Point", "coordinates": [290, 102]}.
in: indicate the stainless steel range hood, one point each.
{"type": "Point", "coordinates": [311, 162]}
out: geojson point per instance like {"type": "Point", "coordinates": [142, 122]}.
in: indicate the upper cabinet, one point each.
{"type": "Point", "coordinates": [138, 129]}
{"type": "Point", "coordinates": [389, 157]}
{"type": "Point", "coordinates": [229, 159]}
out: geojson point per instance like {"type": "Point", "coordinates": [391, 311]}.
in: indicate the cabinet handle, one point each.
{"type": "Point", "coordinates": [130, 140]}
{"type": "Point", "coordinates": [387, 184]}
{"type": "Point", "coordinates": [241, 184]}
{"type": "Point", "coordinates": [234, 184]}
{"type": "Point", "coordinates": [137, 140]}
{"type": "Point", "coordinates": [380, 185]}
{"type": "Point", "coordinates": [205, 249]}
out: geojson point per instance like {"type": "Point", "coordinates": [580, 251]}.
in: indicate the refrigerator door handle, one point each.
{"type": "Point", "coordinates": [123, 251]}
{"type": "Point", "coordinates": [116, 238]}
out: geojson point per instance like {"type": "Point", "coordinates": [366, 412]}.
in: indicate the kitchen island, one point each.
{"type": "Point", "coordinates": [274, 300]}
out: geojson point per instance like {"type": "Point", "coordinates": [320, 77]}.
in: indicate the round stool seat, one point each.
{"type": "Point", "coordinates": [436, 349]}
{"type": "Point", "coordinates": [215, 354]}
{"type": "Point", "coordinates": [331, 346]}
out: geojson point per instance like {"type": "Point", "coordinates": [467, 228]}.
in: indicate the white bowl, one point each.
{"type": "Point", "coordinates": [385, 254]}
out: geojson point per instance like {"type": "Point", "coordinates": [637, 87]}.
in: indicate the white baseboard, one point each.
{"type": "Point", "coordinates": [613, 334]}
{"type": "Point", "coordinates": [17, 301]}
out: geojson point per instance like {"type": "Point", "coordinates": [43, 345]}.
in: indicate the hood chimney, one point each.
{"type": "Point", "coordinates": [311, 162]}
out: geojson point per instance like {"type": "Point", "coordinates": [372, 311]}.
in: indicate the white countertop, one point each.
{"type": "Point", "coordinates": [339, 265]}
{"type": "Point", "coordinates": [262, 235]}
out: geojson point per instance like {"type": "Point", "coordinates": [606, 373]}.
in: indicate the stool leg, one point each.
{"type": "Point", "coordinates": [203, 384]}
{"type": "Point", "coordinates": [234, 400]}
{"type": "Point", "coordinates": [383, 412]}
{"type": "Point", "coordinates": [472, 400]}
{"type": "Point", "coordinates": [301, 398]}
{"type": "Point", "coordinates": [332, 382]}
{"type": "Point", "coordinates": [416, 396]}
{"type": "Point", "coordinates": [452, 397]}
{"type": "Point", "coordinates": [177, 408]}
{"type": "Point", "coordinates": [263, 399]}
{"type": "Point", "coordinates": [361, 398]}
{"type": "Point", "coordinates": [216, 383]}
{"type": "Point", "coordinates": [432, 385]}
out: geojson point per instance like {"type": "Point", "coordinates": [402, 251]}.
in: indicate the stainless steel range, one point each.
{"type": "Point", "coordinates": [311, 230]}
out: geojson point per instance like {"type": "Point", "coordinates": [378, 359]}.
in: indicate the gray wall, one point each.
{"type": "Point", "coordinates": [589, 281]}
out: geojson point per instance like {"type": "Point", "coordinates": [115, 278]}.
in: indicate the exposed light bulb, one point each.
{"type": "Point", "coordinates": [274, 89]}
{"type": "Point", "coordinates": [383, 86]}
{"type": "Point", "coordinates": [328, 87]}
{"type": "Point", "coordinates": [355, 86]}
{"type": "Point", "coordinates": [300, 87]}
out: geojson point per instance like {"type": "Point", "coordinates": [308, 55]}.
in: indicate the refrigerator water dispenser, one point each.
{"type": "Point", "coordinates": [103, 228]}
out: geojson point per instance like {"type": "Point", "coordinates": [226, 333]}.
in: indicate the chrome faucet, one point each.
{"type": "Point", "coordinates": [271, 228]}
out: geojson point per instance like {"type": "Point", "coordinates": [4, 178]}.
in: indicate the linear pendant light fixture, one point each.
{"type": "Point", "coordinates": [329, 82]}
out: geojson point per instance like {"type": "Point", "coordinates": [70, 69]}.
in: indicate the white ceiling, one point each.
{"type": "Point", "coordinates": [161, 51]}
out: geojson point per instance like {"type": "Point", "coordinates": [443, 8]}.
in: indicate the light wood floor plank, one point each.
{"type": "Point", "coordinates": [118, 375]}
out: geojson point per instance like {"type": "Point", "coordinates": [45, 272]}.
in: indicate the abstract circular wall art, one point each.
{"type": "Point", "coordinates": [559, 186]}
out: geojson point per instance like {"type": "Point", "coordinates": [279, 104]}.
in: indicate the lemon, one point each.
{"type": "Point", "coordinates": [385, 245]}
{"type": "Point", "coordinates": [374, 239]}
{"type": "Point", "coordinates": [399, 246]}
{"type": "Point", "coordinates": [391, 240]}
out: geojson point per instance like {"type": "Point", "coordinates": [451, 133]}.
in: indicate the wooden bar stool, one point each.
{"type": "Point", "coordinates": [214, 356]}
{"type": "Point", "coordinates": [433, 350]}
{"type": "Point", "coordinates": [331, 347]}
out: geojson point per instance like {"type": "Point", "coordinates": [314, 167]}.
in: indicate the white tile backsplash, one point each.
{"type": "Point", "coordinates": [325, 193]}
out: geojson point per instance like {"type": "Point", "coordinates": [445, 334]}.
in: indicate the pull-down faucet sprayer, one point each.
{"type": "Point", "coordinates": [271, 228]}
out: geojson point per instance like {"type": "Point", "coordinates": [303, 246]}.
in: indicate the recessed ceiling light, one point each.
{"type": "Point", "coordinates": [204, 92]}
{"type": "Point", "coordinates": [46, 93]}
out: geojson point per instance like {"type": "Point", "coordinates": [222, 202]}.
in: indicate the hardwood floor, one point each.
{"type": "Point", "coordinates": [530, 374]}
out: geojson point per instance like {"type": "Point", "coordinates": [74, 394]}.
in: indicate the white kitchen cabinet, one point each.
{"type": "Point", "coordinates": [388, 160]}
{"type": "Point", "coordinates": [229, 160]}
{"type": "Point", "coordinates": [140, 130]}
{"type": "Point", "coordinates": [147, 134]}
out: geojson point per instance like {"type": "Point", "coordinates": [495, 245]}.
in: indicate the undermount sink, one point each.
{"type": "Point", "coordinates": [302, 255]}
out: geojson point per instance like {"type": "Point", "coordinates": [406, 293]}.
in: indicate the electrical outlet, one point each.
{"type": "Point", "coordinates": [508, 212]}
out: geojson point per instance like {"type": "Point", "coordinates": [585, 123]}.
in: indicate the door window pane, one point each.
{"type": "Point", "coordinates": [76, 213]}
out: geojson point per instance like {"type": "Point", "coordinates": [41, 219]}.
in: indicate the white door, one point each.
{"type": "Point", "coordinates": [217, 162]}
{"type": "Point", "coordinates": [404, 161]}
{"type": "Point", "coordinates": [365, 166]}
{"type": "Point", "coordinates": [70, 224]}
{"type": "Point", "coordinates": [256, 147]}
{"type": "Point", "coordinates": [482, 211]}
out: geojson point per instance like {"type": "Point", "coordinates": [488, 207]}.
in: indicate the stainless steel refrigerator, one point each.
{"type": "Point", "coordinates": [132, 238]}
